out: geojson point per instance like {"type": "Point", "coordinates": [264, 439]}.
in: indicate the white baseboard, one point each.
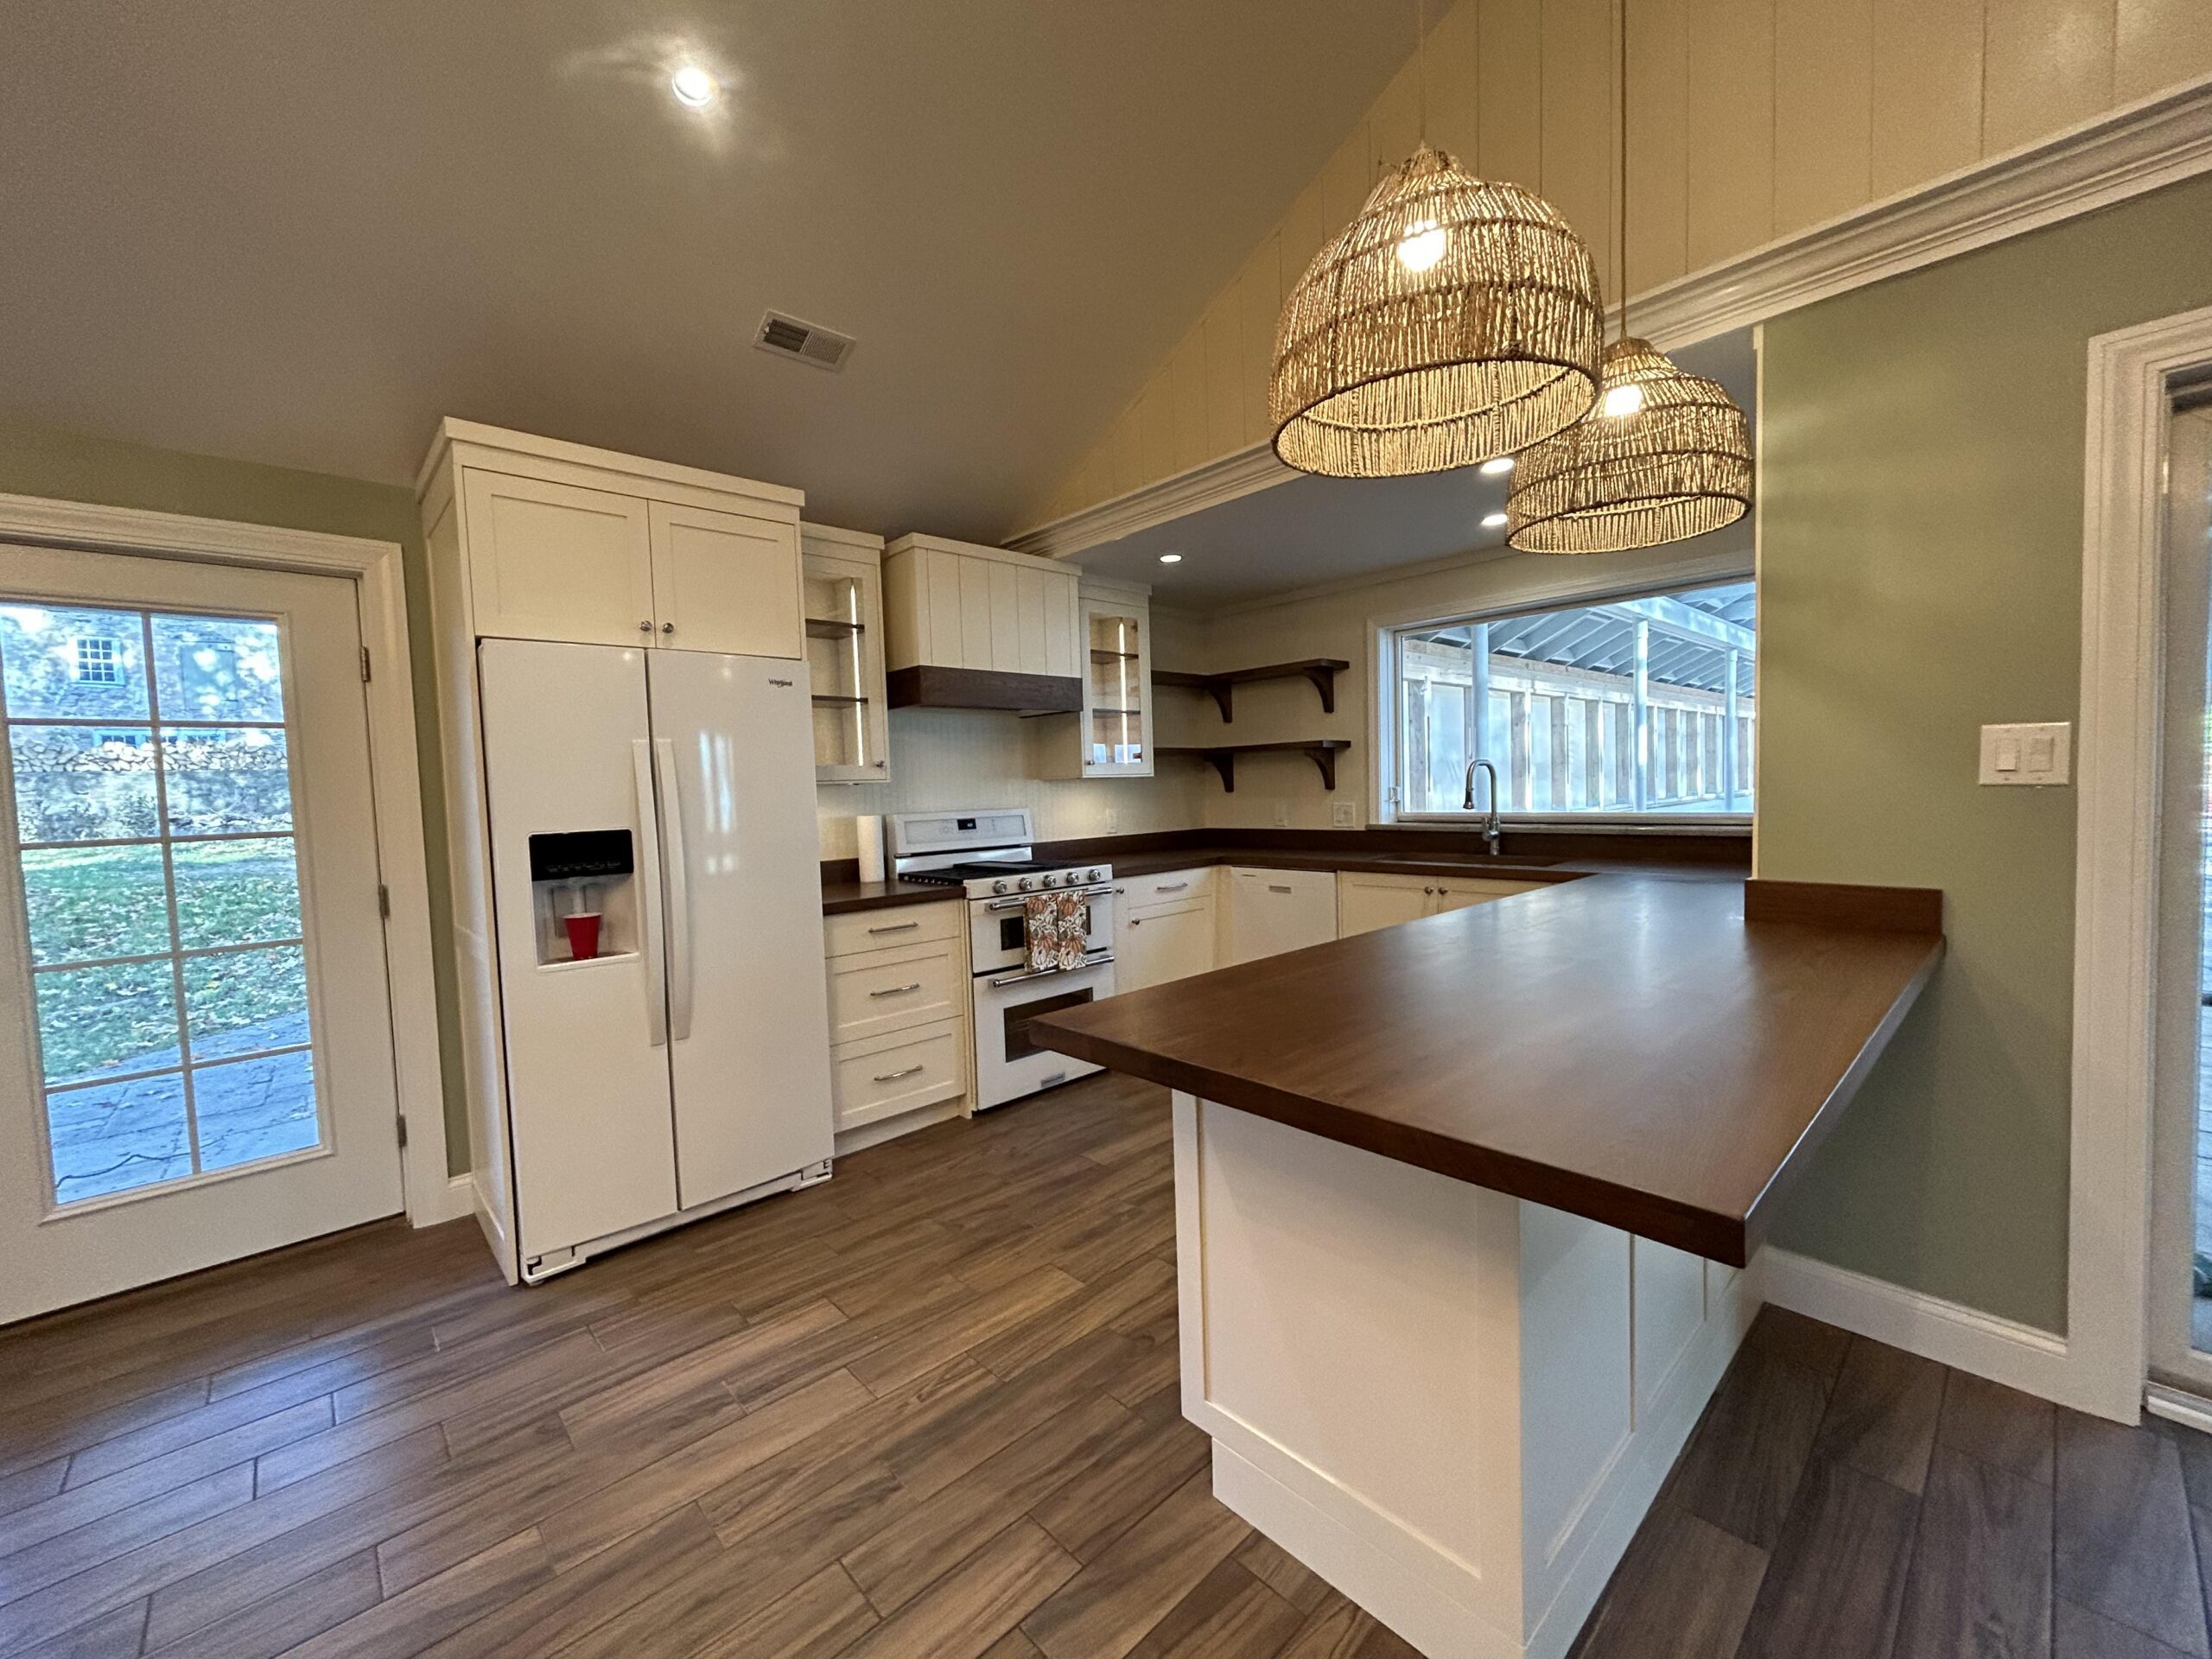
{"type": "Point", "coordinates": [450, 1202]}
{"type": "Point", "coordinates": [2020, 1357]}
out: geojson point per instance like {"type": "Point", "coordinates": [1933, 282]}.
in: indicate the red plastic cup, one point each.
{"type": "Point", "coordinates": [584, 935]}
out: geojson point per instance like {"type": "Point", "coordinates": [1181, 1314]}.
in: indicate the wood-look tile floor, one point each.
{"type": "Point", "coordinates": [931, 1409]}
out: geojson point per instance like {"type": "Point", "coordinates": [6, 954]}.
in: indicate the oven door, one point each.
{"type": "Point", "coordinates": [1008, 1065]}
{"type": "Point", "coordinates": [998, 935]}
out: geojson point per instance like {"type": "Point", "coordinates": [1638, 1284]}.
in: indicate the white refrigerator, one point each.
{"type": "Point", "coordinates": [687, 1064]}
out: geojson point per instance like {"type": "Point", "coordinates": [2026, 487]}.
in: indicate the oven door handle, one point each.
{"type": "Point", "coordinates": [1099, 959]}
{"type": "Point", "coordinates": [1043, 893]}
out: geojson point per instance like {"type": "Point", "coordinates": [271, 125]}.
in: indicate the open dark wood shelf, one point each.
{"type": "Point", "coordinates": [829, 627]}
{"type": "Point", "coordinates": [1221, 757]}
{"type": "Point", "coordinates": [1321, 671]}
{"type": "Point", "coordinates": [840, 703]}
{"type": "Point", "coordinates": [1098, 656]}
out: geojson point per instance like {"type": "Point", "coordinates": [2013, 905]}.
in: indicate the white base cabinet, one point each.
{"type": "Point", "coordinates": [1454, 1406]}
{"type": "Point", "coordinates": [899, 1020]}
{"type": "Point", "coordinates": [1274, 911]}
{"type": "Point", "coordinates": [1165, 929]}
{"type": "Point", "coordinates": [1367, 902]}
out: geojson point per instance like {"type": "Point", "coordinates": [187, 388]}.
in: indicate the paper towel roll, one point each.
{"type": "Point", "coordinates": [868, 830]}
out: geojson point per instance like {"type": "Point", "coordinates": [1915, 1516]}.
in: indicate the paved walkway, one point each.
{"type": "Point", "coordinates": [111, 1137]}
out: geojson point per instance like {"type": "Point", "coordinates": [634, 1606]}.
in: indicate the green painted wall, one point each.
{"type": "Point", "coordinates": [1920, 575]}
{"type": "Point", "coordinates": [36, 459]}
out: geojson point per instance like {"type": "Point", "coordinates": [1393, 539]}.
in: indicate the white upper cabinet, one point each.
{"type": "Point", "coordinates": [954, 605]}
{"type": "Point", "coordinates": [725, 581]}
{"type": "Point", "coordinates": [583, 546]}
{"type": "Point", "coordinates": [548, 561]}
{"type": "Point", "coordinates": [844, 654]}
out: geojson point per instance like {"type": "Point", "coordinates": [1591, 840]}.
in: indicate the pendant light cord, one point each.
{"type": "Point", "coordinates": [1420, 69]}
{"type": "Point", "coordinates": [1620, 248]}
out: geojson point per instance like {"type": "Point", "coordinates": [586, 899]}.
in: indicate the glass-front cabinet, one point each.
{"type": "Point", "coordinates": [843, 578]}
{"type": "Point", "coordinates": [1116, 721]}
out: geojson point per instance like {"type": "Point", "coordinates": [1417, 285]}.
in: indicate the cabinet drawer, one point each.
{"type": "Point", "coordinates": [878, 991]}
{"type": "Point", "coordinates": [873, 930]}
{"type": "Point", "coordinates": [1167, 887]}
{"type": "Point", "coordinates": [881, 1079]}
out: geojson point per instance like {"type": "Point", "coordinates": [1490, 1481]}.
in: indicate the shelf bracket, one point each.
{"type": "Point", "coordinates": [1326, 761]}
{"type": "Point", "coordinates": [1324, 682]}
{"type": "Point", "coordinates": [1222, 691]}
{"type": "Point", "coordinates": [1225, 763]}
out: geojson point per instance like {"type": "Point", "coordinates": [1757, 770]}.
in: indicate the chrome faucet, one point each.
{"type": "Point", "coordinates": [1491, 830]}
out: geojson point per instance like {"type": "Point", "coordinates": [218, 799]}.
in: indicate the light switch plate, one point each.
{"type": "Point", "coordinates": [2032, 755]}
{"type": "Point", "coordinates": [1344, 814]}
{"type": "Point", "coordinates": [1282, 815]}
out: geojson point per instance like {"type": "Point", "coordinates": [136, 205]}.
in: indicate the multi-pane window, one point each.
{"type": "Point", "coordinates": [150, 761]}
{"type": "Point", "coordinates": [1642, 706]}
{"type": "Point", "coordinates": [100, 660]}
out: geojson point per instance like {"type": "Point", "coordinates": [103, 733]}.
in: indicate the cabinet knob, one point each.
{"type": "Point", "coordinates": [644, 627]}
{"type": "Point", "coordinates": [668, 627]}
{"type": "Point", "coordinates": [1428, 890]}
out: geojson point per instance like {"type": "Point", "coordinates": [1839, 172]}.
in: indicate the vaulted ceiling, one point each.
{"type": "Point", "coordinates": [300, 234]}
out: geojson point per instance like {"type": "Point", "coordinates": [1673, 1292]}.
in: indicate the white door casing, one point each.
{"type": "Point", "coordinates": [350, 1170]}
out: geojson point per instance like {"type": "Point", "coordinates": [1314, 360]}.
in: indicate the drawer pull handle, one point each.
{"type": "Point", "coordinates": [898, 927]}
{"type": "Point", "coordinates": [897, 990]}
{"type": "Point", "coordinates": [894, 1076]}
{"type": "Point", "coordinates": [1177, 886]}
{"type": "Point", "coordinates": [1273, 889]}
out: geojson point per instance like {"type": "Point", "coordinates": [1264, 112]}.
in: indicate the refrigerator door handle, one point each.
{"type": "Point", "coordinates": [678, 865]}
{"type": "Point", "coordinates": [649, 944]}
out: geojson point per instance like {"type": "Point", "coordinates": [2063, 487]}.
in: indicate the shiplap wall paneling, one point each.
{"type": "Point", "coordinates": [1658, 161]}
{"type": "Point", "coordinates": [1731, 149]}
{"type": "Point", "coordinates": [1823, 110]}
{"type": "Point", "coordinates": [1925, 86]}
{"type": "Point", "coordinates": [2050, 65]}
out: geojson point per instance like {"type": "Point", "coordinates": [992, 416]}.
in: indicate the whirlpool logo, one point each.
{"type": "Point", "coordinates": [786, 685]}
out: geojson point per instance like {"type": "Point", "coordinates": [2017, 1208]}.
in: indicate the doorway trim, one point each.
{"type": "Point", "coordinates": [376, 569]}
{"type": "Point", "coordinates": [2116, 858]}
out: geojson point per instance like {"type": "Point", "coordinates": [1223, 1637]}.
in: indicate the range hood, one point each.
{"type": "Point", "coordinates": [930, 685]}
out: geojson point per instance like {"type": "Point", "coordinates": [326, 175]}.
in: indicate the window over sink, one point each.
{"type": "Point", "coordinates": [1642, 707]}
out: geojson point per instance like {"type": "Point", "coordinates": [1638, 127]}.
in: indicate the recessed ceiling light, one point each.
{"type": "Point", "coordinates": [694, 87]}
{"type": "Point", "coordinates": [1496, 465]}
{"type": "Point", "coordinates": [1492, 520]}
{"type": "Point", "coordinates": [1171, 558]}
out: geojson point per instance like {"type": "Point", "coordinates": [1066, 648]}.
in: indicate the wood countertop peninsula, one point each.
{"type": "Point", "coordinates": [1655, 1053]}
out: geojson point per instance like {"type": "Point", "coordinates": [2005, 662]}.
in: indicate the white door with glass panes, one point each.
{"type": "Point", "coordinates": [197, 1045]}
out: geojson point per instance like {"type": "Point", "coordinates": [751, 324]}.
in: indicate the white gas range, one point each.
{"type": "Point", "coordinates": [987, 854]}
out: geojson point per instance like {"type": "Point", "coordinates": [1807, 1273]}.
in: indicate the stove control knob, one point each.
{"type": "Point", "coordinates": [1051, 878]}
{"type": "Point", "coordinates": [998, 886]}
{"type": "Point", "coordinates": [1025, 884]}
{"type": "Point", "coordinates": [1098, 874]}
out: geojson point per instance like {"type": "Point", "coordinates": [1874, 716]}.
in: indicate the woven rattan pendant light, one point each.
{"type": "Point", "coordinates": [1666, 455]}
{"type": "Point", "coordinates": [1450, 321]}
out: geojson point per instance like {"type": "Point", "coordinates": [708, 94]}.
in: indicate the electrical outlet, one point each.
{"type": "Point", "coordinates": [1344, 814]}
{"type": "Point", "coordinates": [1113, 821]}
{"type": "Point", "coordinates": [1282, 815]}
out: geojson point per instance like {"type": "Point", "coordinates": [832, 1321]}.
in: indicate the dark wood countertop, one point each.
{"type": "Point", "coordinates": [840, 896]}
{"type": "Point", "coordinates": [1624, 1046]}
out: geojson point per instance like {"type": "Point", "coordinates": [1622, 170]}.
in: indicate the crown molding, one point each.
{"type": "Point", "coordinates": [1241, 472]}
{"type": "Point", "coordinates": [2140, 147]}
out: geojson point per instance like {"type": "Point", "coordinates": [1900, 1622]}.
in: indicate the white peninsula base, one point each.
{"type": "Point", "coordinates": [1454, 1406]}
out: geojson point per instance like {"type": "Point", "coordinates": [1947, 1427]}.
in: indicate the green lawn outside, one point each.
{"type": "Point", "coordinates": [108, 901]}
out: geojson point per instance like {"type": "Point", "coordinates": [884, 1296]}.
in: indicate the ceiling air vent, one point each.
{"type": "Point", "coordinates": [825, 348]}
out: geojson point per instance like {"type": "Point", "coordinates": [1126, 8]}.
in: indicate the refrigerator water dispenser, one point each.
{"type": "Point", "coordinates": [579, 875]}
